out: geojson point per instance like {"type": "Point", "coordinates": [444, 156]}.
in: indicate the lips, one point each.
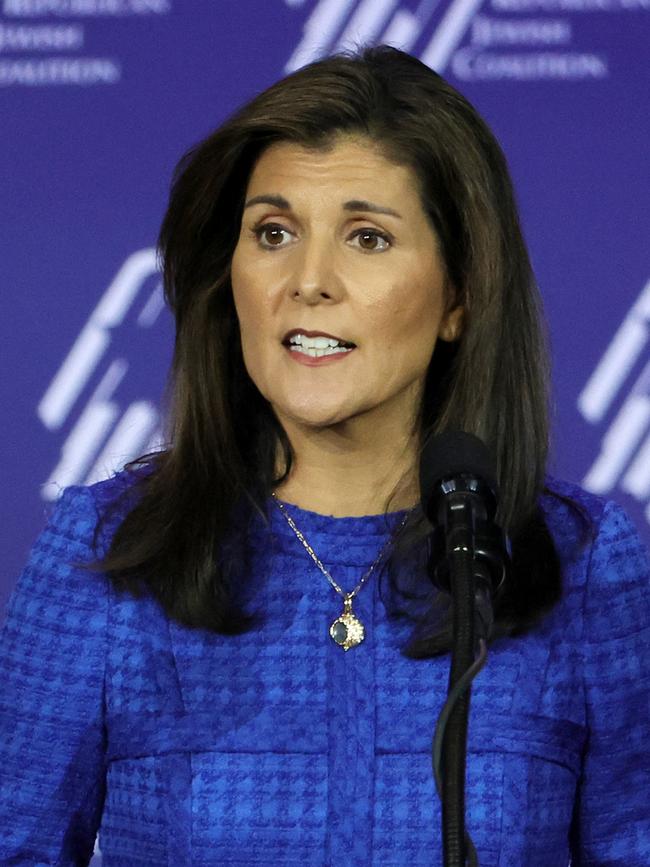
{"type": "Point", "coordinates": [287, 337]}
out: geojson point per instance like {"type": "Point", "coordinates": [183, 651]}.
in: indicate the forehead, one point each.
{"type": "Point", "coordinates": [347, 162]}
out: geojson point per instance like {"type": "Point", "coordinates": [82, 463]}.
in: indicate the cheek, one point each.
{"type": "Point", "coordinates": [255, 294]}
{"type": "Point", "coordinates": [255, 326]}
{"type": "Point", "coordinates": [240, 283]}
{"type": "Point", "coordinates": [244, 301]}
{"type": "Point", "coordinates": [250, 311]}
{"type": "Point", "coordinates": [408, 317]}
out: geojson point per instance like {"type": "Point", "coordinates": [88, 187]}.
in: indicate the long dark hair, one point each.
{"type": "Point", "coordinates": [224, 438]}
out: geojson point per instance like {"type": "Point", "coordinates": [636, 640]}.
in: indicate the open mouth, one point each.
{"type": "Point", "coordinates": [316, 344]}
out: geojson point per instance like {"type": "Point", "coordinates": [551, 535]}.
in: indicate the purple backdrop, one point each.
{"type": "Point", "coordinates": [99, 98]}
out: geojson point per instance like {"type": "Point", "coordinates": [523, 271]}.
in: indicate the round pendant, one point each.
{"type": "Point", "coordinates": [347, 630]}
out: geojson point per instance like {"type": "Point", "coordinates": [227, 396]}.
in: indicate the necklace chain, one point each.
{"type": "Point", "coordinates": [346, 596]}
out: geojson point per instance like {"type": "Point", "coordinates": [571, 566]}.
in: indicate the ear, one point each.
{"type": "Point", "coordinates": [451, 326]}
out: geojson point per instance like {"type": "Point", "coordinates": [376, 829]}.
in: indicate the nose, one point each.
{"type": "Point", "coordinates": [315, 279]}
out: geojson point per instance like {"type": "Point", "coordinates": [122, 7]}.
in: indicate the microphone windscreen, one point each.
{"type": "Point", "coordinates": [451, 453]}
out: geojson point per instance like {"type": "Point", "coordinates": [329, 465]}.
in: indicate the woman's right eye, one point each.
{"type": "Point", "coordinates": [270, 235]}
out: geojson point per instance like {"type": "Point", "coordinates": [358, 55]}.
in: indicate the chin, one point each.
{"type": "Point", "coordinates": [319, 420]}
{"type": "Point", "coordinates": [314, 416]}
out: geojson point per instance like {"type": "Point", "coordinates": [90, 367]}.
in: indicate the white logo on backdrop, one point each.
{"type": "Point", "coordinates": [337, 24]}
{"type": "Point", "coordinates": [624, 370]}
{"type": "Point", "coordinates": [100, 433]}
{"type": "Point", "coordinates": [477, 40]}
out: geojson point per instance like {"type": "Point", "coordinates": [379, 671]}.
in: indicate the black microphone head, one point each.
{"type": "Point", "coordinates": [456, 469]}
{"type": "Point", "coordinates": [454, 453]}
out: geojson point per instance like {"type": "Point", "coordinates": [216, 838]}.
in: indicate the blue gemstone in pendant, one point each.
{"type": "Point", "coordinates": [339, 632]}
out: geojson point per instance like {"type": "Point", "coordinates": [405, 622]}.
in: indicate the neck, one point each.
{"type": "Point", "coordinates": [346, 471]}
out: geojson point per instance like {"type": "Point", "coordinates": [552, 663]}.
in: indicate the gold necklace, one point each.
{"type": "Point", "coordinates": [347, 630]}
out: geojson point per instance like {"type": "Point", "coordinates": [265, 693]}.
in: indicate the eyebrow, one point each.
{"type": "Point", "coordinates": [352, 205]}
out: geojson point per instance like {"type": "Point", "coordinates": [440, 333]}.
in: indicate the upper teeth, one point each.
{"type": "Point", "coordinates": [313, 342]}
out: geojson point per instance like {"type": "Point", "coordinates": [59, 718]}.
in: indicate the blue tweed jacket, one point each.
{"type": "Point", "coordinates": [182, 747]}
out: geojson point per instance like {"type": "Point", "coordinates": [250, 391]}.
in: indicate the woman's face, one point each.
{"type": "Point", "coordinates": [336, 244]}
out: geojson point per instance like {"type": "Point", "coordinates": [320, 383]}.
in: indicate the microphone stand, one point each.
{"type": "Point", "coordinates": [470, 573]}
{"type": "Point", "coordinates": [460, 559]}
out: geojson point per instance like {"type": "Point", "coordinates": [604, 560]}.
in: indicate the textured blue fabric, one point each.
{"type": "Point", "coordinates": [276, 747]}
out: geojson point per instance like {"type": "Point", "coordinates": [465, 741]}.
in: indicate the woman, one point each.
{"type": "Point", "coordinates": [346, 269]}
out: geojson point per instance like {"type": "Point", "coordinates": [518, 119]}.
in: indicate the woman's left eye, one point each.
{"type": "Point", "coordinates": [372, 240]}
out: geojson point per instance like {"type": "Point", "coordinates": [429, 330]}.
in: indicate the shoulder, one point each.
{"type": "Point", "coordinates": [59, 584]}
{"type": "Point", "coordinates": [120, 490]}
{"type": "Point", "coordinates": [566, 506]}
{"type": "Point", "coordinates": [91, 514]}
{"type": "Point", "coordinates": [561, 499]}
{"type": "Point", "coordinates": [599, 534]}
{"type": "Point", "coordinates": [572, 512]}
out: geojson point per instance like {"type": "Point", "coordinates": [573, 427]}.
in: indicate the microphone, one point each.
{"type": "Point", "coordinates": [459, 497]}
{"type": "Point", "coordinates": [456, 454]}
